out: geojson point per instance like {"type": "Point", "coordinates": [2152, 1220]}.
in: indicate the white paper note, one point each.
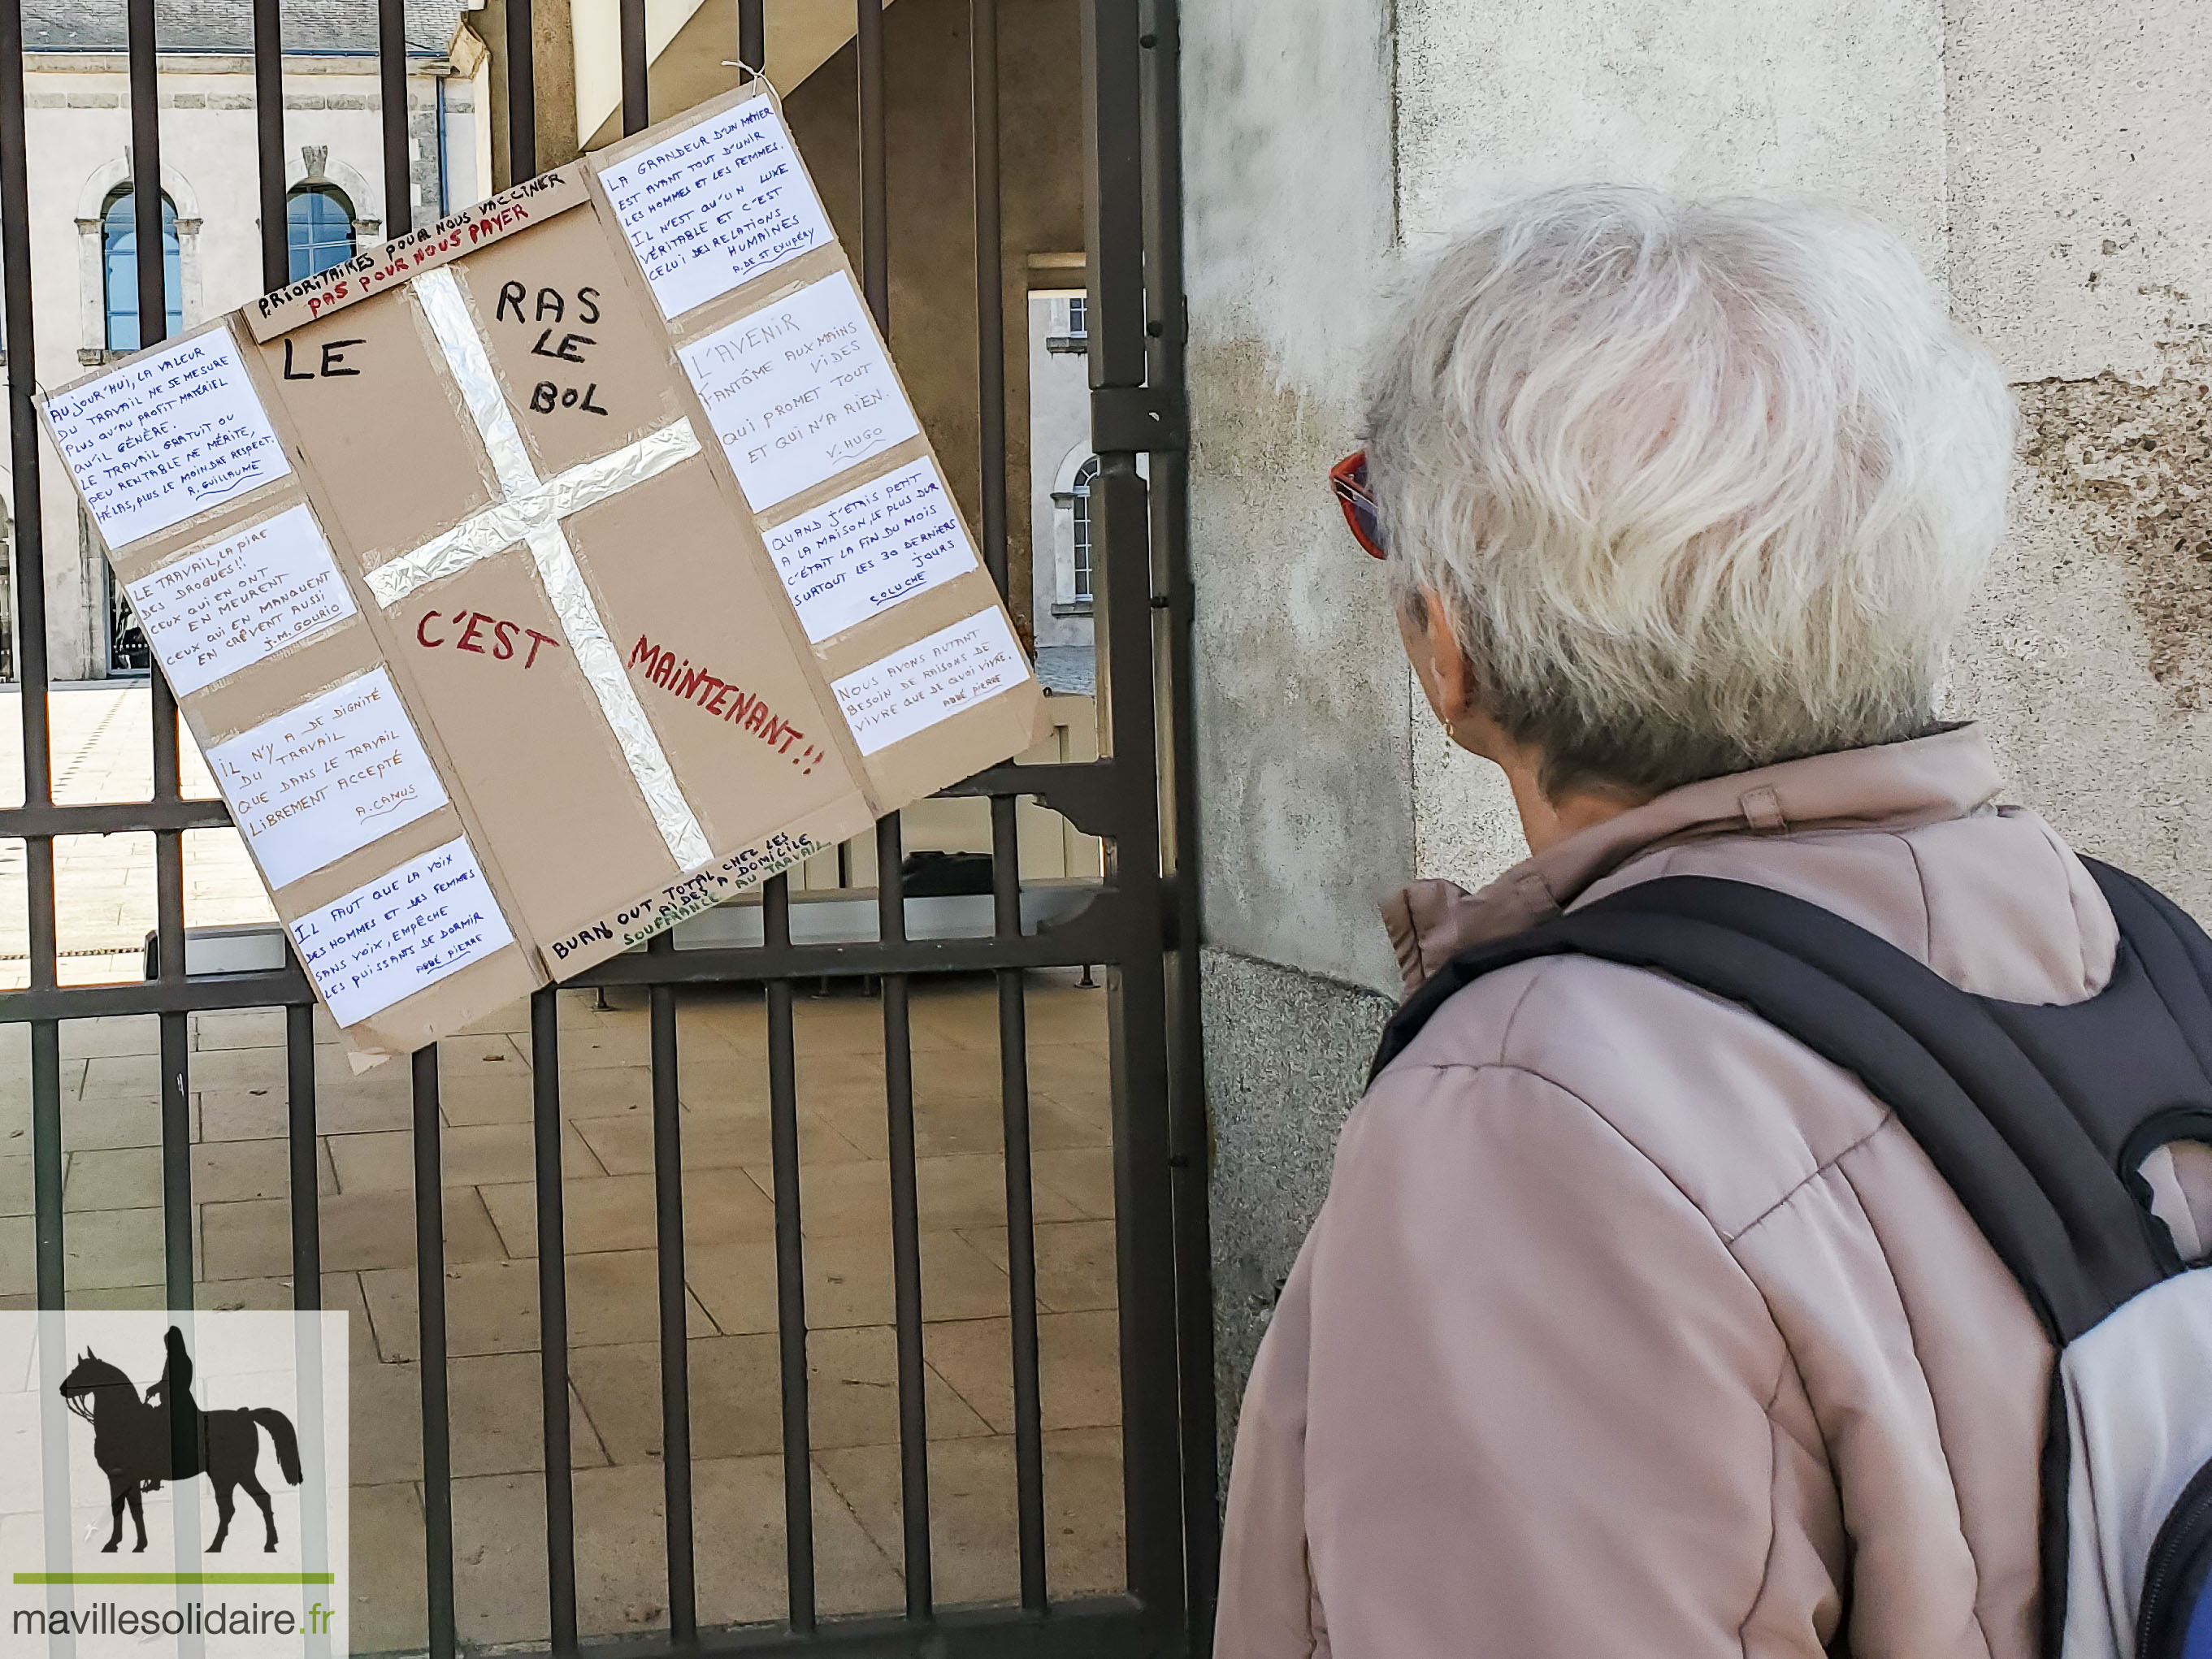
{"type": "Point", "coordinates": [233, 603]}
{"type": "Point", "coordinates": [390, 938]}
{"type": "Point", "coordinates": [328, 778]}
{"type": "Point", "coordinates": [800, 391]}
{"type": "Point", "coordinates": [717, 205]}
{"type": "Point", "coordinates": [160, 439]}
{"type": "Point", "coordinates": [856, 556]}
{"type": "Point", "coordinates": [931, 680]}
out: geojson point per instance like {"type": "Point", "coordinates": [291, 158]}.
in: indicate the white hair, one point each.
{"type": "Point", "coordinates": [1703, 485]}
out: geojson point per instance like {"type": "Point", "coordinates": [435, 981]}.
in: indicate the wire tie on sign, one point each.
{"type": "Point", "coordinates": [759, 75]}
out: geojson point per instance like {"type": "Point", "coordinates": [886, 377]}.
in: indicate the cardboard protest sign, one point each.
{"type": "Point", "coordinates": [543, 578]}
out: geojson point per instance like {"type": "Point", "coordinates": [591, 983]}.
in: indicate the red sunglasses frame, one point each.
{"type": "Point", "coordinates": [1348, 479]}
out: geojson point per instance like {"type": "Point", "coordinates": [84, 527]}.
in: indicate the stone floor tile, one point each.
{"type": "Point", "coordinates": [976, 1550]}
{"type": "Point", "coordinates": [1082, 1177]}
{"type": "Point", "coordinates": [480, 1054]}
{"type": "Point", "coordinates": [964, 1124]}
{"type": "Point", "coordinates": [469, 1155]}
{"type": "Point", "coordinates": [491, 1307]}
{"type": "Point", "coordinates": [1064, 1013]}
{"type": "Point", "coordinates": [615, 1213]}
{"type": "Point", "coordinates": [737, 1398]}
{"type": "Point", "coordinates": [848, 1282]}
{"type": "Point", "coordinates": [969, 1191]}
{"type": "Point", "coordinates": [711, 1141]}
{"type": "Point", "coordinates": [1078, 1076]}
{"type": "Point", "coordinates": [384, 1537]}
{"type": "Point", "coordinates": [1078, 1368]}
{"type": "Point", "coordinates": [606, 1091]}
{"type": "Point", "coordinates": [108, 1249]}
{"type": "Point", "coordinates": [349, 1107]}
{"type": "Point", "coordinates": [957, 1073]}
{"type": "Point", "coordinates": [1076, 1269]}
{"type": "Point", "coordinates": [223, 1171]}
{"type": "Point", "coordinates": [19, 1271]}
{"type": "Point", "coordinates": [502, 1097]}
{"type": "Point", "coordinates": [127, 1034]}
{"type": "Point", "coordinates": [16, 1178]}
{"type": "Point", "coordinates": [360, 1231]}
{"type": "Point", "coordinates": [239, 1028]}
{"type": "Point", "coordinates": [93, 1124]}
{"type": "Point", "coordinates": [493, 1411]}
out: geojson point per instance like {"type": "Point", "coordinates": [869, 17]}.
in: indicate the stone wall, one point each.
{"type": "Point", "coordinates": [2052, 164]}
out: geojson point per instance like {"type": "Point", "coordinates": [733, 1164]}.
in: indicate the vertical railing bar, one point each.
{"type": "Point", "coordinates": [790, 1270]}
{"type": "Point", "coordinates": [46, 1148]}
{"type": "Point", "coordinates": [752, 35]}
{"type": "Point", "coordinates": [553, 1318]}
{"type": "Point", "coordinates": [875, 239]}
{"type": "Point", "coordinates": [430, 1305]}
{"type": "Point", "coordinates": [1021, 1229]}
{"type": "Point", "coordinates": [675, 1332]}
{"type": "Point", "coordinates": [990, 280]}
{"type": "Point", "coordinates": [392, 96]}
{"type": "Point", "coordinates": [636, 93]}
{"type": "Point", "coordinates": [521, 93]}
{"type": "Point", "coordinates": [1191, 1156]}
{"type": "Point", "coordinates": [269, 143]}
{"type": "Point", "coordinates": [906, 1230]}
{"type": "Point", "coordinates": [176, 1159]}
{"type": "Point", "coordinates": [306, 1176]}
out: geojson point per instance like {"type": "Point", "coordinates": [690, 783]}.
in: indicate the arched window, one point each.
{"type": "Point", "coordinates": [318, 221]}
{"type": "Point", "coordinates": [119, 248]}
{"type": "Point", "coordinates": [1086, 476]}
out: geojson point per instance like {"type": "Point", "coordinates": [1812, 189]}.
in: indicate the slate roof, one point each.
{"type": "Point", "coordinates": [320, 27]}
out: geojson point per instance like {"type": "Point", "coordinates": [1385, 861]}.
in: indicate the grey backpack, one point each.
{"type": "Point", "coordinates": [2043, 1119]}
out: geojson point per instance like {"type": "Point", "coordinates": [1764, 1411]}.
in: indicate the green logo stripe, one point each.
{"type": "Point", "coordinates": [176, 1578]}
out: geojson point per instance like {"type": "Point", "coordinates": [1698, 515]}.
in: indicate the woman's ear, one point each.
{"type": "Point", "coordinates": [1451, 676]}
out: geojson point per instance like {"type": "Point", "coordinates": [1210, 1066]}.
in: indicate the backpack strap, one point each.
{"type": "Point", "coordinates": [2051, 1205]}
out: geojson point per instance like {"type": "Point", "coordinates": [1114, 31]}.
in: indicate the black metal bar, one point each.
{"type": "Point", "coordinates": [990, 280]}
{"type": "Point", "coordinates": [906, 1229]}
{"type": "Point", "coordinates": [430, 1316]}
{"type": "Point", "coordinates": [1113, 198]}
{"type": "Point", "coordinates": [553, 1319]}
{"type": "Point", "coordinates": [675, 1350]}
{"type": "Point", "coordinates": [145, 172]}
{"type": "Point", "coordinates": [269, 143]}
{"type": "Point", "coordinates": [306, 1183]}
{"type": "Point", "coordinates": [790, 1273]}
{"type": "Point", "coordinates": [521, 93]}
{"type": "Point", "coordinates": [111, 817]}
{"type": "Point", "coordinates": [635, 106]}
{"type": "Point", "coordinates": [1190, 1132]}
{"type": "Point", "coordinates": [1021, 1227]}
{"type": "Point", "coordinates": [875, 194]}
{"type": "Point", "coordinates": [752, 35]}
{"type": "Point", "coordinates": [176, 1159]}
{"type": "Point", "coordinates": [19, 336]}
{"type": "Point", "coordinates": [151, 996]}
{"type": "Point", "coordinates": [392, 96]}
{"type": "Point", "coordinates": [47, 1145]}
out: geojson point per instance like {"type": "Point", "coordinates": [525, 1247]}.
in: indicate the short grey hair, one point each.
{"type": "Point", "coordinates": [1703, 485]}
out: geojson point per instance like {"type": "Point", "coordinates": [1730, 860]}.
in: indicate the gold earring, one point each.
{"type": "Point", "coordinates": [1451, 731]}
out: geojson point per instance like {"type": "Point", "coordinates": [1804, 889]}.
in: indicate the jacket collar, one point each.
{"type": "Point", "coordinates": [1948, 773]}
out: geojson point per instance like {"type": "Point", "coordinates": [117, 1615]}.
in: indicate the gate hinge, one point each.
{"type": "Point", "coordinates": [1137, 419]}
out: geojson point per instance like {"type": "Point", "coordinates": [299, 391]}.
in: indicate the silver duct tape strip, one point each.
{"type": "Point", "coordinates": [440, 295]}
{"type": "Point", "coordinates": [531, 514]}
{"type": "Point", "coordinates": [512, 521]}
{"type": "Point", "coordinates": [603, 667]}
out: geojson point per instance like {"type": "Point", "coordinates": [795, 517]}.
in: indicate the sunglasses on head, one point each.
{"type": "Point", "coordinates": [1348, 479]}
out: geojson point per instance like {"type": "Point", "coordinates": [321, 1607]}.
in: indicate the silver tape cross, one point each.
{"type": "Point", "coordinates": [530, 513]}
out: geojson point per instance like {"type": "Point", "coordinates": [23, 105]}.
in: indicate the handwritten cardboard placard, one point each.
{"type": "Point", "coordinates": [715, 205]}
{"type": "Point", "coordinates": [800, 392]}
{"type": "Point", "coordinates": [401, 933]}
{"type": "Point", "coordinates": [854, 557]}
{"type": "Point", "coordinates": [234, 602]}
{"type": "Point", "coordinates": [168, 434]}
{"type": "Point", "coordinates": [328, 778]}
{"type": "Point", "coordinates": [931, 680]}
{"type": "Point", "coordinates": [546, 689]}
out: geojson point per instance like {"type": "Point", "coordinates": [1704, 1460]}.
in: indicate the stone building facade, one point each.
{"type": "Point", "coordinates": [83, 244]}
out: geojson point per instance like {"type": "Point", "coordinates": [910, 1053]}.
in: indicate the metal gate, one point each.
{"type": "Point", "coordinates": [1141, 925]}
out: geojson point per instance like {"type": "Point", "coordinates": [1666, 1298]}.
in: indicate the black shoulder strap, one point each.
{"type": "Point", "coordinates": [2050, 1203]}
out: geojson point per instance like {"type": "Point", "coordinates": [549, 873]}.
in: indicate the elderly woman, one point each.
{"type": "Point", "coordinates": [1630, 1327]}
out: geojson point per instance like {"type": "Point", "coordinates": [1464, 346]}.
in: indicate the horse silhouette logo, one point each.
{"type": "Point", "coordinates": [138, 1445]}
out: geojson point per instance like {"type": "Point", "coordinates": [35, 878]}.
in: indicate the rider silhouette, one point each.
{"type": "Point", "coordinates": [174, 1390]}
